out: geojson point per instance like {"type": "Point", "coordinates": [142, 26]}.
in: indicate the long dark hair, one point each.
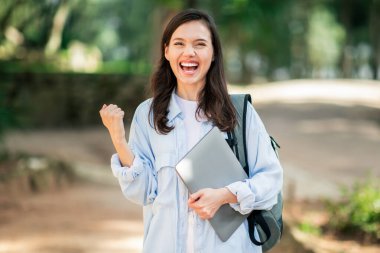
{"type": "Point", "coordinates": [213, 99]}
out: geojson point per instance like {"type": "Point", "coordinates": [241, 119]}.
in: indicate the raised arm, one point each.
{"type": "Point", "coordinates": [132, 165]}
{"type": "Point", "coordinates": [112, 118]}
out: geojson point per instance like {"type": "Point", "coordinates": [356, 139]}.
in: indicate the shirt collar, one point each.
{"type": "Point", "coordinates": [175, 110]}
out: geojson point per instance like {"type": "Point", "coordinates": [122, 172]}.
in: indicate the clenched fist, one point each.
{"type": "Point", "coordinates": [112, 118]}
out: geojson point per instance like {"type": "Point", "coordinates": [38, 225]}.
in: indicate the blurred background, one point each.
{"type": "Point", "coordinates": [312, 68]}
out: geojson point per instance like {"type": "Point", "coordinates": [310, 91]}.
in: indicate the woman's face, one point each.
{"type": "Point", "coordinates": [190, 53]}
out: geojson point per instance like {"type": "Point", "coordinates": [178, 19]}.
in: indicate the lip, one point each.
{"type": "Point", "coordinates": [188, 64]}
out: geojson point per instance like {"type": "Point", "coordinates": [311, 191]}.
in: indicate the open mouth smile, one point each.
{"type": "Point", "coordinates": [189, 67]}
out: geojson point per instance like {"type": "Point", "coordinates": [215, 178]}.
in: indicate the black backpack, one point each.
{"type": "Point", "coordinates": [268, 222]}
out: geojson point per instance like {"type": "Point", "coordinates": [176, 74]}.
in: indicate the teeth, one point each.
{"type": "Point", "coordinates": [189, 64]}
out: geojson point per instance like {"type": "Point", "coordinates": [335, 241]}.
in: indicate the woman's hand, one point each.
{"type": "Point", "coordinates": [112, 118]}
{"type": "Point", "coordinates": [206, 202]}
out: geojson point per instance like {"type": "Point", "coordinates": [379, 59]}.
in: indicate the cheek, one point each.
{"type": "Point", "coordinates": [207, 60]}
{"type": "Point", "coordinates": [208, 57]}
{"type": "Point", "coordinates": [173, 67]}
{"type": "Point", "coordinates": [172, 57]}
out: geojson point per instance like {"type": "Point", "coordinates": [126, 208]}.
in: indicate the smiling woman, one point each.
{"type": "Point", "coordinates": [189, 98]}
{"type": "Point", "coordinates": [190, 54]}
{"type": "Point", "coordinates": [192, 38]}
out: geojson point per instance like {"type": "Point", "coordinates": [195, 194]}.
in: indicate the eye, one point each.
{"type": "Point", "coordinates": [178, 43]}
{"type": "Point", "coordinates": [200, 44]}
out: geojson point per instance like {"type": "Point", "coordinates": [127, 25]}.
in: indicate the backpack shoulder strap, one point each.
{"type": "Point", "coordinates": [240, 102]}
{"type": "Point", "coordinates": [269, 233]}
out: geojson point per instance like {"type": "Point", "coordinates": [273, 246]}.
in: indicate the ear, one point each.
{"type": "Point", "coordinates": [166, 52]}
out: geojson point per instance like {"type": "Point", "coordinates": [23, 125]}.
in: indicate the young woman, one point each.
{"type": "Point", "coordinates": [189, 98]}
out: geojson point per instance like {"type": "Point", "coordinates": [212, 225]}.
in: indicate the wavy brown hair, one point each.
{"type": "Point", "coordinates": [213, 99]}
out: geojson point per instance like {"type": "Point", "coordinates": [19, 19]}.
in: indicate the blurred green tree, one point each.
{"type": "Point", "coordinates": [262, 39]}
{"type": "Point", "coordinates": [324, 40]}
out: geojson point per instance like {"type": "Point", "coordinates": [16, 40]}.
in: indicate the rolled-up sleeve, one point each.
{"type": "Point", "coordinates": [125, 173]}
{"type": "Point", "coordinates": [265, 180]}
{"type": "Point", "coordinates": [139, 181]}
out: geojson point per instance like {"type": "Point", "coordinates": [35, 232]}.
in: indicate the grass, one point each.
{"type": "Point", "coordinates": [358, 213]}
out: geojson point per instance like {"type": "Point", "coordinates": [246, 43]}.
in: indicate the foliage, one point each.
{"type": "Point", "coordinates": [125, 67]}
{"type": "Point", "coordinates": [261, 39]}
{"type": "Point", "coordinates": [309, 228]}
{"type": "Point", "coordinates": [324, 38]}
{"type": "Point", "coordinates": [359, 211]}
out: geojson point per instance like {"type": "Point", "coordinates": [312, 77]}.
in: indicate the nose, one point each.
{"type": "Point", "coordinates": [189, 51]}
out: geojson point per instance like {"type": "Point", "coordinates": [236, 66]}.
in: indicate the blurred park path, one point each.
{"type": "Point", "coordinates": [86, 218]}
{"type": "Point", "coordinates": [324, 143]}
{"type": "Point", "coordinates": [329, 132]}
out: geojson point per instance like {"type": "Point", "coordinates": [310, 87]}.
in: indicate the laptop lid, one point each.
{"type": "Point", "coordinates": [212, 164]}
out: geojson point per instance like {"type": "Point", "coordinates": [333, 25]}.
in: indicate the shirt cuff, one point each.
{"type": "Point", "coordinates": [245, 197]}
{"type": "Point", "coordinates": [126, 173]}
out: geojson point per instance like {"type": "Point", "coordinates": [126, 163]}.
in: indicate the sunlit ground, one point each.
{"type": "Point", "coordinates": [340, 92]}
{"type": "Point", "coordinates": [85, 218]}
{"type": "Point", "coordinates": [73, 243]}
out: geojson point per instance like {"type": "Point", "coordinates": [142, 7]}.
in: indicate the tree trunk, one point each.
{"type": "Point", "coordinates": [299, 55]}
{"type": "Point", "coordinates": [161, 16]}
{"type": "Point", "coordinates": [374, 24]}
{"type": "Point", "coordinates": [7, 16]}
{"type": "Point", "coordinates": [59, 21]}
{"type": "Point", "coordinates": [346, 60]}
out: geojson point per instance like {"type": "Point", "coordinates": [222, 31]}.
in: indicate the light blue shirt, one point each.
{"type": "Point", "coordinates": [152, 182]}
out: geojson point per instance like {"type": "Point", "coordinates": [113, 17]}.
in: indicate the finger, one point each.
{"type": "Point", "coordinates": [203, 217]}
{"type": "Point", "coordinates": [195, 196]}
{"type": "Point", "coordinates": [114, 111]}
{"type": "Point", "coordinates": [120, 114]}
{"type": "Point", "coordinates": [111, 111]}
{"type": "Point", "coordinates": [196, 206]}
{"type": "Point", "coordinates": [111, 107]}
{"type": "Point", "coordinates": [102, 109]}
{"type": "Point", "coordinates": [190, 200]}
{"type": "Point", "coordinates": [192, 203]}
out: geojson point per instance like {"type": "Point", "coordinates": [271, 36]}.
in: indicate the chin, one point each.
{"type": "Point", "coordinates": [190, 82]}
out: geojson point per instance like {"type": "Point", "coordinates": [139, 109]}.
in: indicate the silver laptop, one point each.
{"type": "Point", "coordinates": [212, 164]}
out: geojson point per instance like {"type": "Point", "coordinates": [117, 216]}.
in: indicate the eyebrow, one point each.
{"type": "Point", "coordinates": [197, 40]}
